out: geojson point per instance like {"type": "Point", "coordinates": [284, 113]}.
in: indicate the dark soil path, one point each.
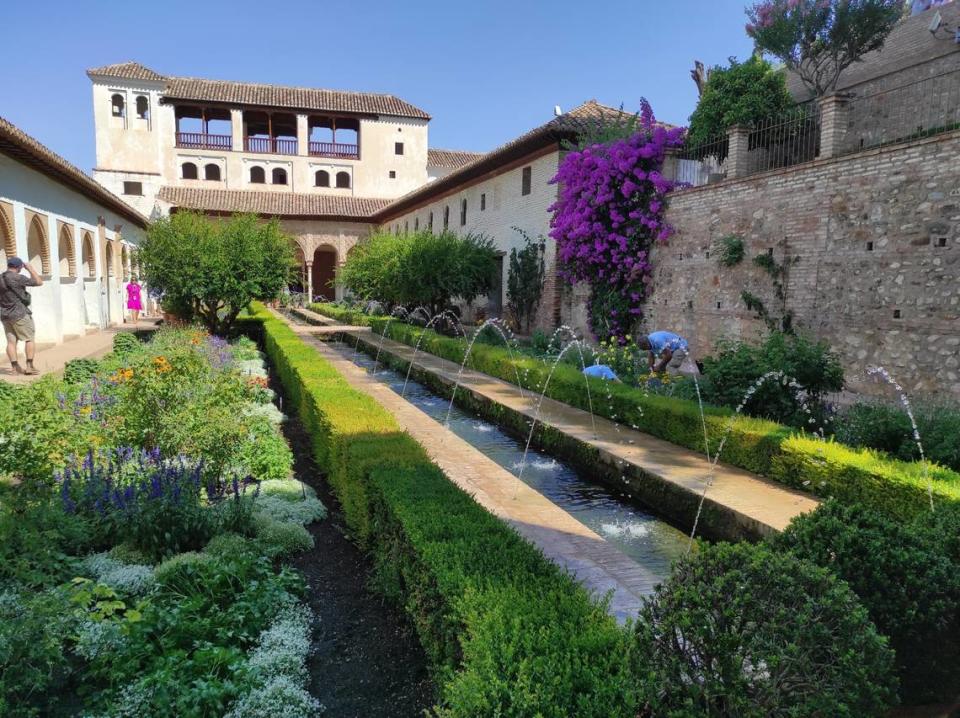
{"type": "Point", "coordinates": [367, 661]}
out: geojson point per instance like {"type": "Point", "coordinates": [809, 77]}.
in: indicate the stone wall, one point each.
{"type": "Point", "coordinates": [872, 245]}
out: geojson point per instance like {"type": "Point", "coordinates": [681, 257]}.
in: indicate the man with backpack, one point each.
{"type": "Point", "coordinates": [15, 312]}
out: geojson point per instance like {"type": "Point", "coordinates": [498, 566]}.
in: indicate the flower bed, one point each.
{"type": "Point", "coordinates": [827, 469]}
{"type": "Point", "coordinates": [145, 499]}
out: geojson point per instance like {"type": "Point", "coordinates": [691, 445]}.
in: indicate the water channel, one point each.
{"type": "Point", "coordinates": [645, 538]}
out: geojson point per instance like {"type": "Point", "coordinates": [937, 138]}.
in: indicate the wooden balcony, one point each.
{"type": "Point", "coordinates": [334, 149]}
{"type": "Point", "coordinates": [203, 141]}
{"type": "Point", "coordinates": [270, 145]}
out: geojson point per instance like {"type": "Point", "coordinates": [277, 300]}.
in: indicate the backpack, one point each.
{"type": "Point", "coordinates": [24, 299]}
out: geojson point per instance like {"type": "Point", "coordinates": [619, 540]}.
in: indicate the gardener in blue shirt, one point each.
{"type": "Point", "coordinates": [668, 351]}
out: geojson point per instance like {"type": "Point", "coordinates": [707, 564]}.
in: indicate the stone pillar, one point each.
{"type": "Point", "coordinates": [236, 130]}
{"type": "Point", "coordinates": [303, 135]}
{"type": "Point", "coordinates": [671, 164]}
{"type": "Point", "coordinates": [309, 281]}
{"type": "Point", "coordinates": [833, 125]}
{"type": "Point", "coordinates": [739, 152]}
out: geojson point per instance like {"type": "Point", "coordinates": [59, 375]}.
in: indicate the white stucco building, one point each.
{"type": "Point", "coordinates": [78, 235]}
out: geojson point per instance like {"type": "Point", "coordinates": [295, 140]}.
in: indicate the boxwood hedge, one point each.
{"type": "Point", "coordinates": [506, 631]}
{"type": "Point", "coordinates": [827, 469]}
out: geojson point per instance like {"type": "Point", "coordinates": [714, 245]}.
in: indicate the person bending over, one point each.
{"type": "Point", "coordinates": [667, 351]}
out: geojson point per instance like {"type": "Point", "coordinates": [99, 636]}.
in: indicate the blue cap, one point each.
{"type": "Point", "coordinates": [15, 263]}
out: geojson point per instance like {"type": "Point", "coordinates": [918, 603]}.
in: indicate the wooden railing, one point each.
{"type": "Point", "coordinates": [201, 141]}
{"type": "Point", "coordinates": [334, 149]}
{"type": "Point", "coordinates": [270, 145]}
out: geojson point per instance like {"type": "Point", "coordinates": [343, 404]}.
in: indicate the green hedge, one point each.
{"type": "Point", "coordinates": [827, 469]}
{"type": "Point", "coordinates": [507, 632]}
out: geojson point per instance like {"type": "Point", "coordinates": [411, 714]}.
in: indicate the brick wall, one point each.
{"type": "Point", "coordinates": [867, 272]}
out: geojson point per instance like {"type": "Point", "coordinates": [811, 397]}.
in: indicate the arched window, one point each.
{"type": "Point", "coordinates": [143, 107]}
{"type": "Point", "coordinates": [446, 217]}
{"type": "Point", "coordinates": [86, 257]}
{"type": "Point", "coordinates": [257, 175]}
{"type": "Point", "coordinates": [322, 178]}
{"type": "Point", "coordinates": [68, 264]}
{"type": "Point", "coordinates": [38, 251]}
{"type": "Point", "coordinates": [117, 105]}
{"type": "Point", "coordinates": [188, 170]}
{"type": "Point", "coordinates": [211, 172]}
{"type": "Point", "coordinates": [279, 175]}
{"type": "Point", "coordinates": [343, 180]}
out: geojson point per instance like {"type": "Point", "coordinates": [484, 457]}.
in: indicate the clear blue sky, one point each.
{"type": "Point", "coordinates": [486, 71]}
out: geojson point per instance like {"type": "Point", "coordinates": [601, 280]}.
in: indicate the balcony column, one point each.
{"type": "Point", "coordinates": [739, 152]}
{"type": "Point", "coordinates": [309, 281]}
{"type": "Point", "coordinates": [236, 130]}
{"type": "Point", "coordinates": [303, 136]}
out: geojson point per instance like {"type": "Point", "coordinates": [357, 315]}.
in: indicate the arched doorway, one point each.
{"type": "Point", "coordinates": [324, 272]}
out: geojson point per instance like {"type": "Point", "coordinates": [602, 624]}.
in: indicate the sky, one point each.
{"type": "Point", "coordinates": [487, 71]}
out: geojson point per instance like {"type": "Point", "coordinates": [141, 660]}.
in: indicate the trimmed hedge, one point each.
{"type": "Point", "coordinates": [506, 631]}
{"type": "Point", "coordinates": [826, 469]}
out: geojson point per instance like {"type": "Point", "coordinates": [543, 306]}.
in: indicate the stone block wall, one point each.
{"type": "Point", "coordinates": [872, 246]}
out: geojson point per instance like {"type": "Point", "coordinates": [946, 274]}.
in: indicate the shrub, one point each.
{"type": "Point", "coordinates": [283, 648]}
{"type": "Point", "coordinates": [128, 579]}
{"type": "Point", "coordinates": [421, 268]}
{"type": "Point", "coordinates": [38, 541]}
{"type": "Point", "coordinates": [264, 453]}
{"type": "Point", "coordinates": [278, 697]}
{"type": "Point", "coordinates": [737, 366]}
{"type": "Point", "coordinates": [280, 539]}
{"type": "Point", "coordinates": [741, 94]}
{"type": "Point", "coordinates": [525, 277]}
{"type": "Point", "coordinates": [214, 268]}
{"type": "Point", "coordinates": [303, 512]}
{"type": "Point", "coordinates": [909, 587]}
{"type": "Point", "coordinates": [125, 344]}
{"type": "Point", "coordinates": [80, 371]}
{"type": "Point", "coordinates": [739, 630]}
{"type": "Point", "coordinates": [227, 544]}
{"type": "Point", "coordinates": [887, 428]}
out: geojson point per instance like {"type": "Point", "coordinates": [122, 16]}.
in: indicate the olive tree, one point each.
{"type": "Point", "coordinates": [211, 269]}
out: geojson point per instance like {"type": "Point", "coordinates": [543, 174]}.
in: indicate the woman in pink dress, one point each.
{"type": "Point", "coordinates": [133, 299]}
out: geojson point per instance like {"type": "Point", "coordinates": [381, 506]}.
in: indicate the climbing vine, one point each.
{"type": "Point", "coordinates": [609, 213]}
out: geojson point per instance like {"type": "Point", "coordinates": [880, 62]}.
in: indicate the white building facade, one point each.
{"type": "Point", "coordinates": [80, 237]}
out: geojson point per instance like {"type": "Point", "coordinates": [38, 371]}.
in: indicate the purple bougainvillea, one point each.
{"type": "Point", "coordinates": [609, 212]}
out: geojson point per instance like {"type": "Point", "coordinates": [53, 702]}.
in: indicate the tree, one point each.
{"type": "Point", "coordinates": [212, 269]}
{"type": "Point", "coordinates": [525, 278]}
{"type": "Point", "coordinates": [421, 268]}
{"type": "Point", "coordinates": [740, 94]}
{"type": "Point", "coordinates": [819, 39]}
{"type": "Point", "coordinates": [742, 630]}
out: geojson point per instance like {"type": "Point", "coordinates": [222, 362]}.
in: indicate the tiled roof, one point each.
{"type": "Point", "coordinates": [302, 98]}
{"type": "Point", "coordinates": [272, 204]}
{"type": "Point", "coordinates": [909, 43]}
{"type": "Point", "coordinates": [564, 127]}
{"type": "Point", "coordinates": [251, 93]}
{"type": "Point", "coordinates": [127, 71]}
{"type": "Point", "coordinates": [23, 148]}
{"type": "Point", "coordinates": [451, 159]}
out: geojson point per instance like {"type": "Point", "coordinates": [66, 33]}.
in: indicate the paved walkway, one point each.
{"type": "Point", "coordinates": [53, 358]}
{"type": "Point", "coordinates": [595, 563]}
{"type": "Point", "coordinates": [761, 505]}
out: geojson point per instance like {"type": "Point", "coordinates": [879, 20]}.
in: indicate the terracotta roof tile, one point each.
{"type": "Point", "coordinates": [252, 93]}
{"type": "Point", "coordinates": [25, 149]}
{"type": "Point", "coordinates": [127, 71]}
{"type": "Point", "coordinates": [451, 158]}
{"type": "Point", "coordinates": [301, 98]}
{"type": "Point", "coordinates": [272, 204]}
